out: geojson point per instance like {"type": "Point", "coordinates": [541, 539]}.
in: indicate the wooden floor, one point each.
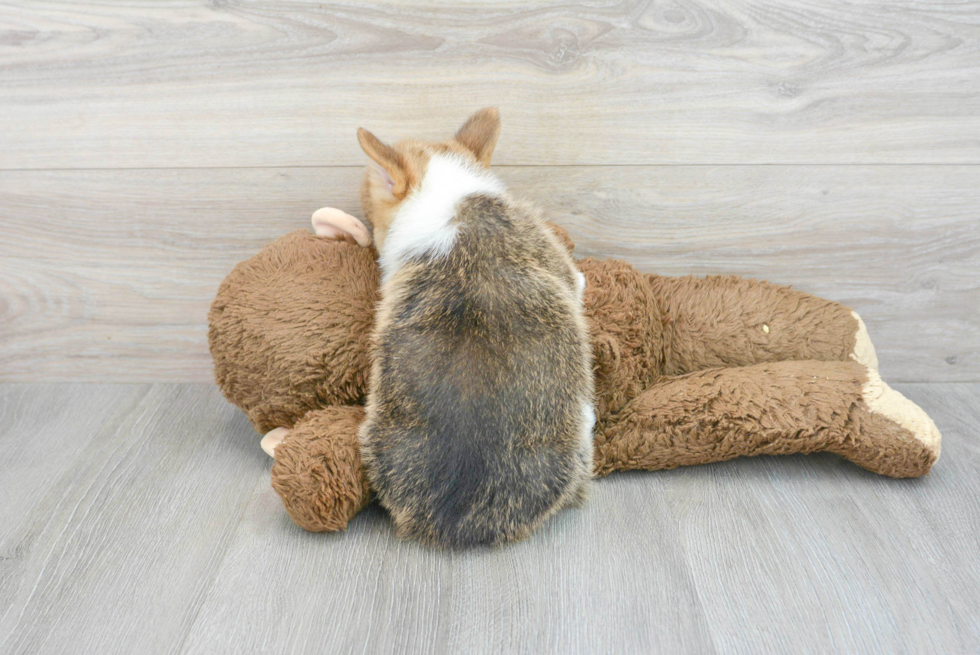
{"type": "Point", "coordinates": [147, 146]}
{"type": "Point", "coordinates": [139, 518]}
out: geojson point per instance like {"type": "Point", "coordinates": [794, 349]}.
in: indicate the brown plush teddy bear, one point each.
{"type": "Point", "coordinates": [687, 370]}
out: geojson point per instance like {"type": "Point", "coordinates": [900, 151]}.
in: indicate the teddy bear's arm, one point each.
{"type": "Point", "coordinates": [318, 471]}
{"type": "Point", "coordinates": [721, 321]}
{"type": "Point", "coordinates": [770, 409]}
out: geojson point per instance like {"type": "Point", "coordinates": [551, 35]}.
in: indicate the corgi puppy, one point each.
{"type": "Point", "coordinates": [479, 413]}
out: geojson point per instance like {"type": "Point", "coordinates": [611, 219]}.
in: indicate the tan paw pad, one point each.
{"type": "Point", "coordinates": [272, 439]}
{"type": "Point", "coordinates": [864, 351]}
{"type": "Point", "coordinates": [882, 399]}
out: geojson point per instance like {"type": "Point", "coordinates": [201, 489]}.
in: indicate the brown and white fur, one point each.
{"type": "Point", "coordinates": [479, 415]}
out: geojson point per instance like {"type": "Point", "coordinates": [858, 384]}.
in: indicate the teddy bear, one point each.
{"type": "Point", "coordinates": [687, 370]}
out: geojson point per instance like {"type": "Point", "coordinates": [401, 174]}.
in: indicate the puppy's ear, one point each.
{"type": "Point", "coordinates": [479, 134]}
{"type": "Point", "coordinates": [389, 161]}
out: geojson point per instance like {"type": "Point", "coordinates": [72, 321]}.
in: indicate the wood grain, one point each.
{"type": "Point", "coordinates": [789, 554]}
{"type": "Point", "coordinates": [108, 275]}
{"type": "Point", "coordinates": [163, 536]}
{"type": "Point", "coordinates": [588, 581]}
{"type": "Point", "coordinates": [809, 554]}
{"type": "Point", "coordinates": [43, 431]}
{"type": "Point", "coordinates": [117, 556]}
{"type": "Point", "coordinates": [263, 83]}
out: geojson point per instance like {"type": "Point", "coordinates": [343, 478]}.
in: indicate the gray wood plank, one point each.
{"type": "Point", "coordinates": [163, 536]}
{"type": "Point", "coordinates": [43, 431]}
{"type": "Point", "coordinates": [120, 552]}
{"type": "Point", "coordinates": [608, 577]}
{"type": "Point", "coordinates": [813, 555]}
{"type": "Point", "coordinates": [262, 83]}
{"type": "Point", "coordinates": [788, 554]}
{"type": "Point", "coordinates": [108, 275]}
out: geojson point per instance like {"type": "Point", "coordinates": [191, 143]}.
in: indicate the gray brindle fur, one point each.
{"type": "Point", "coordinates": [476, 430]}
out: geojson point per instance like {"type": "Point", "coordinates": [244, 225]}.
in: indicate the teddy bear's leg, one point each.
{"type": "Point", "coordinates": [318, 471]}
{"type": "Point", "coordinates": [770, 409]}
{"type": "Point", "coordinates": [730, 321]}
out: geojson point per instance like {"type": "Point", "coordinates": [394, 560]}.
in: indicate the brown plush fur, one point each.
{"type": "Point", "coordinates": [290, 328]}
{"type": "Point", "coordinates": [289, 335]}
{"type": "Point", "coordinates": [318, 471]}
{"type": "Point", "coordinates": [627, 332]}
{"type": "Point", "coordinates": [766, 409]}
{"type": "Point", "coordinates": [698, 315]}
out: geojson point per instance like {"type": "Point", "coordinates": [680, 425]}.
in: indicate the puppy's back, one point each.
{"type": "Point", "coordinates": [479, 426]}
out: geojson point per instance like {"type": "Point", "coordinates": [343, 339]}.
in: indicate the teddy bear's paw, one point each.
{"type": "Point", "coordinates": [885, 401]}
{"type": "Point", "coordinates": [272, 439]}
{"type": "Point", "coordinates": [864, 350]}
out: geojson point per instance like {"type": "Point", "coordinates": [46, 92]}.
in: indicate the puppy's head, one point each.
{"type": "Point", "coordinates": [395, 171]}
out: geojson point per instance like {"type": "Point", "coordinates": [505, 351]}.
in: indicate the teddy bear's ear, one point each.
{"type": "Point", "coordinates": [331, 222]}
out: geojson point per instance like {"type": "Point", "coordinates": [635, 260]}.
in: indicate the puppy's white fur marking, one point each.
{"type": "Point", "coordinates": [588, 422]}
{"type": "Point", "coordinates": [423, 223]}
{"type": "Point", "coordinates": [580, 285]}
